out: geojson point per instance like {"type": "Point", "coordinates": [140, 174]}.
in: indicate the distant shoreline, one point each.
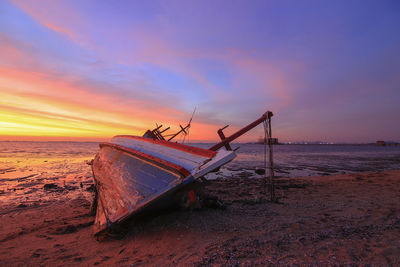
{"type": "Point", "coordinates": [234, 143]}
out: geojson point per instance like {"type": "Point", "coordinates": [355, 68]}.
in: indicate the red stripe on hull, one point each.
{"type": "Point", "coordinates": [190, 149]}
{"type": "Point", "coordinates": [169, 165]}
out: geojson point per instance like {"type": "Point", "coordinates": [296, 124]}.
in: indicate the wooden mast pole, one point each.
{"type": "Point", "coordinates": [227, 140]}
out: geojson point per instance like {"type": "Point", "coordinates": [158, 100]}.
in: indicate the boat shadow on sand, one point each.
{"type": "Point", "coordinates": [206, 205]}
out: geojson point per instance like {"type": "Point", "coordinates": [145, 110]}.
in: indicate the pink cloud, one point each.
{"type": "Point", "coordinates": [156, 49]}
{"type": "Point", "coordinates": [58, 16]}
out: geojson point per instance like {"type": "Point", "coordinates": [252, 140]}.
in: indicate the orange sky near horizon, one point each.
{"type": "Point", "coordinates": [33, 108]}
{"type": "Point", "coordinates": [76, 115]}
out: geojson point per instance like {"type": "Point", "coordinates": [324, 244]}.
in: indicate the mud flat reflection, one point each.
{"type": "Point", "coordinates": [32, 173]}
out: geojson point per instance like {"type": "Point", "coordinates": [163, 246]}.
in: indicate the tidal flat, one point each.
{"type": "Point", "coordinates": [329, 216]}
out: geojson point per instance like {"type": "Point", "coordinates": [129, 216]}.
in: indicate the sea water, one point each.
{"type": "Point", "coordinates": [36, 172]}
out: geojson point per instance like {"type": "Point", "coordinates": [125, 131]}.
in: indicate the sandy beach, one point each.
{"type": "Point", "coordinates": [321, 220]}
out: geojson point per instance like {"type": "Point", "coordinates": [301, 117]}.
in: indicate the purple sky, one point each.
{"type": "Point", "coordinates": [329, 70]}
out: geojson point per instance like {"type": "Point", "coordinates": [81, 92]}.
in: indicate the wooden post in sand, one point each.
{"type": "Point", "coordinates": [271, 162]}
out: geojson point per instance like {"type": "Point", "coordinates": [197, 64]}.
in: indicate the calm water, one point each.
{"type": "Point", "coordinates": [25, 167]}
{"type": "Point", "coordinates": [308, 160]}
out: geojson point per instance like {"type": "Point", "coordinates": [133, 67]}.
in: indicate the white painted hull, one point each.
{"type": "Point", "coordinates": [131, 172]}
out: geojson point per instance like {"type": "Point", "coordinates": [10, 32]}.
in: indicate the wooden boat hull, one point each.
{"type": "Point", "coordinates": [133, 172]}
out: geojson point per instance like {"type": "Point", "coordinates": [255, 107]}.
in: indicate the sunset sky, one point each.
{"type": "Point", "coordinates": [88, 70]}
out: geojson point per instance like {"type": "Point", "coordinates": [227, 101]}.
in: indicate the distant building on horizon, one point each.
{"type": "Point", "coordinates": [380, 143]}
{"type": "Point", "coordinates": [273, 141]}
{"type": "Point", "coordinates": [383, 143]}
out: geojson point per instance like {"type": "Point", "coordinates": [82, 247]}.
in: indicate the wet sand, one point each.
{"type": "Point", "coordinates": [326, 220]}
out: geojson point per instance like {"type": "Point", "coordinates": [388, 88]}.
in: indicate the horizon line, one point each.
{"type": "Point", "coordinates": [211, 141]}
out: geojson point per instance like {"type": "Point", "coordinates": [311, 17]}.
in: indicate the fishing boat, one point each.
{"type": "Point", "coordinates": [135, 173]}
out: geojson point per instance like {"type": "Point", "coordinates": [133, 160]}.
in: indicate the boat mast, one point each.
{"type": "Point", "coordinates": [183, 129]}
{"type": "Point", "coordinates": [226, 140]}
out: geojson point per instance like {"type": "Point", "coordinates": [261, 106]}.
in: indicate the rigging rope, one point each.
{"type": "Point", "coordinates": [188, 126]}
{"type": "Point", "coordinates": [187, 134]}
{"type": "Point", "coordinates": [265, 156]}
{"type": "Point", "coordinates": [267, 140]}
